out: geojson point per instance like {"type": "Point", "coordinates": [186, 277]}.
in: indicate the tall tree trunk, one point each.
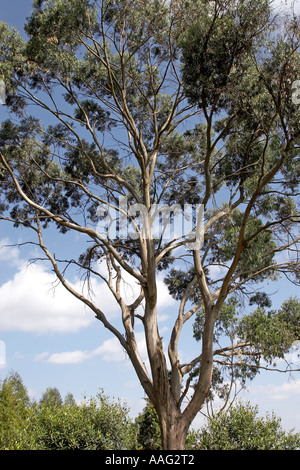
{"type": "Point", "coordinates": [173, 429]}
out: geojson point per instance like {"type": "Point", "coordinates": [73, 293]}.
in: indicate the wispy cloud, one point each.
{"type": "Point", "coordinates": [286, 6]}
{"type": "Point", "coordinates": [272, 393]}
{"type": "Point", "coordinates": [110, 351]}
{"type": "Point", "coordinates": [10, 254]}
{"type": "Point", "coordinates": [72, 357]}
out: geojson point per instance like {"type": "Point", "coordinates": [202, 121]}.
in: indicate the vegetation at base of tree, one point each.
{"type": "Point", "coordinates": [99, 423]}
{"type": "Point", "coordinates": [148, 428]}
{"type": "Point", "coordinates": [241, 428]}
{"type": "Point", "coordinates": [102, 423]}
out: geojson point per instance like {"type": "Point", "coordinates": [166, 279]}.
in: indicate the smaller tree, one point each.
{"type": "Point", "coordinates": [98, 424]}
{"type": "Point", "coordinates": [65, 427]}
{"type": "Point", "coordinates": [15, 414]}
{"type": "Point", "coordinates": [112, 419]}
{"type": "Point", "coordinates": [69, 399]}
{"type": "Point", "coordinates": [51, 397]}
{"type": "Point", "coordinates": [149, 436]}
{"type": "Point", "coordinates": [240, 428]}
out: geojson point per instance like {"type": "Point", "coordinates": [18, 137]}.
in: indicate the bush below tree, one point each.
{"type": "Point", "coordinates": [103, 423]}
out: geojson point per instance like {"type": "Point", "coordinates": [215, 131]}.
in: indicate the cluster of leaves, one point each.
{"type": "Point", "coordinates": [53, 424]}
{"type": "Point", "coordinates": [261, 327]}
{"type": "Point", "coordinates": [149, 435]}
{"type": "Point", "coordinates": [264, 334]}
{"type": "Point", "coordinates": [241, 428]}
{"type": "Point", "coordinates": [217, 45]}
{"type": "Point", "coordinates": [16, 415]}
{"type": "Point", "coordinates": [273, 332]}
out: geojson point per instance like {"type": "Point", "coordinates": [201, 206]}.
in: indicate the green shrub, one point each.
{"type": "Point", "coordinates": [98, 424]}
{"type": "Point", "coordinates": [241, 428]}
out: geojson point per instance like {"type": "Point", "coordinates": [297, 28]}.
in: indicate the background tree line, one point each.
{"type": "Point", "coordinates": [102, 423]}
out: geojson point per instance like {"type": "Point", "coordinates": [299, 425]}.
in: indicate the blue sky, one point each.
{"type": "Point", "coordinates": [52, 341]}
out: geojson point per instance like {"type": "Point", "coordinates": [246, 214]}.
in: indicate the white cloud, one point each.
{"type": "Point", "coordinates": [73, 357]}
{"type": "Point", "coordinates": [41, 356]}
{"type": "Point", "coordinates": [132, 384]}
{"type": "Point", "coordinates": [10, 254]}
{"type": "Point", "coordinates": [286, 390]}
{"type": "Point", "coordinates": [34, 301]}
{"type": "Point", "coordinates": [286, 6]}
{"type": "Point", "coordinates": [2, 354]}
{"type": "Point", "coordinates": [272, 393]}
{"type": "Point", "coordinates": [29, 303]}
{"type": "Point", "coordinates": [110, 351]}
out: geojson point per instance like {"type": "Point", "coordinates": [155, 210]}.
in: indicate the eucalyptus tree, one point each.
{"type": "Point", "coordinates": [130, 116]}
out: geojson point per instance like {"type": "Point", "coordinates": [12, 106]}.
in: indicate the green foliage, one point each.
{"type": "Point", "coordinates": [274, 332]}
{"type": "Point", "coordinates": [66, 427]}
{"type": "Point", "coordinates": [11, 60]}
{"type": "Point", "coordinates": [216, 46]}
{"type": "Point", "coordinates": [261, 334]}
{"type": "Point", "coordinates": [148, 436]}
{"type": "Point", "coordinates": [57, 25]}
{"type": "Point", "coordinates": [69, 399]}
{"type": "Point", "coordinates": [102, 423]}
{"type": "Point", "coordinates": [241, 428]}
{"type": "Point", "coordinates": [148, 431]}
{"type": "Point", "coordinates": [16, 415]}
{"type": "Point", "coordinates": [51, 398]}
{"type": "Point", "coordinates": [99, 423]}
